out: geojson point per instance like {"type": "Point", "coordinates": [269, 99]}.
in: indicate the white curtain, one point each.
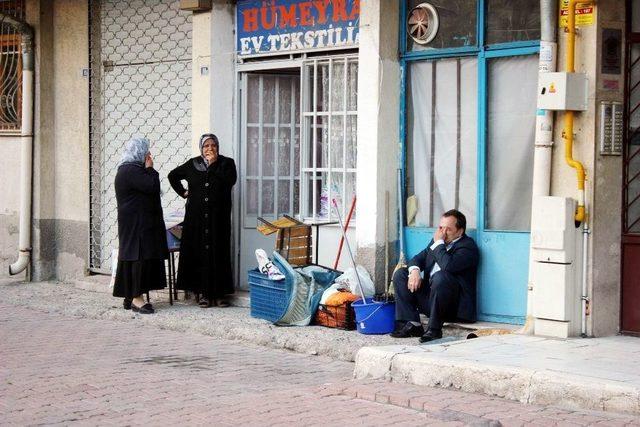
{"type": "Point", "coordinates": [512, 86]}
{"type": "Point", "coordinates": [442, 138]}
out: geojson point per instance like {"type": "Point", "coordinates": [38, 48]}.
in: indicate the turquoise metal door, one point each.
{"type": "Point", "coordinates": [504, 52]}
{"type": "Point", "coordinates": [507, 108]}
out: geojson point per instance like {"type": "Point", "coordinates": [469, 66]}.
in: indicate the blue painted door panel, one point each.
{"type": "Point", "coordinates": [503, 272]}
{"type": "Point", "coordinates": [503, 276]}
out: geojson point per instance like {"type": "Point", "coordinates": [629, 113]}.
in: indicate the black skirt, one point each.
{"type": "Point", "coordinates": [134, 278]}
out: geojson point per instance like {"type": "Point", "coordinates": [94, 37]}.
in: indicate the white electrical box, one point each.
{"type": "Point", "coordinates": [553, 229]}
{"type": "Point", "coordinates": [562, 91]}
{"type": "Point", "coordinates": [553, 291]}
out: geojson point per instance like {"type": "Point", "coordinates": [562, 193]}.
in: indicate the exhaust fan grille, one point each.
{"type": "Point", "coordinates": [422, 23]}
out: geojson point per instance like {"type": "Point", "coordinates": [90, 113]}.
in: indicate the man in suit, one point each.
{"type": "Point", "coordinates": [439, 282]}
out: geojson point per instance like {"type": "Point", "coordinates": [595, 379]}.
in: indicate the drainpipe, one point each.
{"type": "Point", "coordinates": [544, 118]}
{"type": "Point", "coordinates": [544, 127]}
{"type": "Point", "coordinates": [26, 142]}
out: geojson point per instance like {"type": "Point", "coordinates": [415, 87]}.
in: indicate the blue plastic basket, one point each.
{"type": "Point", "coordinates": [269, 298]}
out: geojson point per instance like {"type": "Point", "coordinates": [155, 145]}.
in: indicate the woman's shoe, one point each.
{"type": "Point", "coordinates": [204, 302]}
{"type": "Point", "coordinates": [145, 309]}
{"type": "Point", "coordinates": [221, 302]}
{"type": "Point", "coordinates": [126, 303]}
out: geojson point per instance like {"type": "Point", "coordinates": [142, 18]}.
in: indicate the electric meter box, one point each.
{"type": "Point", "coordinates": [562, 91]}
{"type": "Point", "coordinates": [553, 230]}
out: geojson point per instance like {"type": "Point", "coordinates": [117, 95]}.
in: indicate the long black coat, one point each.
{"type": "Point", "coordinates": [205, 247]}
{"type": "Point", "coordinates": [462, 262]}
{"type": "Point", "coordinates": [141, 230]}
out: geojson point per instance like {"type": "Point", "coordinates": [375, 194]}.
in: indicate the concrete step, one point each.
{"type": "Point", "coordinates": [594, 374]}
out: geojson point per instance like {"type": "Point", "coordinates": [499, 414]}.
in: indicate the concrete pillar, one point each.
{"type": "Point", "coordinates": [222, 100]}
{"type": "Point", "coordinates": [201, 78]}
{"type": "Point", "coordinates": [607, 192]}
{"type": "Point", "coordinates": [378, 133]}
{"type": "Point", "coordinates": [39, 13]}
{"type": "Point", "coordinates": [71, 219]}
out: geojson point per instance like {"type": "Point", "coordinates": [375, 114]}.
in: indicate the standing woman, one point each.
{"type": "Point", "coordinates": [141, 230]}
{"type": "Point", "coordinates": [205, 247]}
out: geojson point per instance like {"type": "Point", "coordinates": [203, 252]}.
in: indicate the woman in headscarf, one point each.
{"type": "Point", "coordinates": [205, 248]}
{"type": "Point", "coordinates": [141, 230]}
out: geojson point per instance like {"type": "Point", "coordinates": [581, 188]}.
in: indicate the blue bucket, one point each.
{"type": "Point", "coordinates": [374, 317]}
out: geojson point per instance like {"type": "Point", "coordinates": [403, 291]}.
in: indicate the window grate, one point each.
{"type": "Point", "coordinates": [10, 68]}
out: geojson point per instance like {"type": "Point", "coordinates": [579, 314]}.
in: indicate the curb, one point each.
{"type": "Point", "coordinates": [429, 366]}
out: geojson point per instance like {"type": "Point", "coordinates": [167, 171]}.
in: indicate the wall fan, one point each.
{"type": "Point", "coordinates": [422, 23]}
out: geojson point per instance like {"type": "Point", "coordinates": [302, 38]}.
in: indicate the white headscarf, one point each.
{"type": "Point", "coordinates": [203, 138]}
{"type": "Point", "coordinates": [135, 150]}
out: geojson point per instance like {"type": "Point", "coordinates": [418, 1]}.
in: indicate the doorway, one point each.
{"type": "Point", "coordinates": [270, 157]}
{"type": "Point", "coordinates": [630, 280]}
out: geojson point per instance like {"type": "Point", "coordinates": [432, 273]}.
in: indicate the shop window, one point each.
{"type": "Point", "coordinates": [329, 142]}
{"type": "Point", "coordinates": [442, 138]}
{"type": "Point", "coordinates": [457, 24]}
{"type": "Point", "coordinates": [10, 68]}
{"type": "Point", "coordinates": [512, 21]}
{"type": "Point", "coordinates": [511, 117]}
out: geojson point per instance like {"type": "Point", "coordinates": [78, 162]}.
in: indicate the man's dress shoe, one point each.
{"type": "Point", "coordinates": [407, 331]}
{"type": "Point", "coordinates": [431, 334]}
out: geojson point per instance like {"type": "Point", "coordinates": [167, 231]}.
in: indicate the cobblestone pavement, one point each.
{"type": "Point", "coordinates": [57, 369]}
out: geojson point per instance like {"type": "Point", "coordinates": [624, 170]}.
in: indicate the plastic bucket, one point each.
{"type": "Point", "coordinates": [374, 317]}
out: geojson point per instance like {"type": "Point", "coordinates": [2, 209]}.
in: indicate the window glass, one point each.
{"type": "Point", "coordinates": [442, 139]}
{"type": "Point", "coordinates": [330, 118]}
{"type": "Point", "coordinates": [457, 24]}
{"type": "Point", "coordinates": [512, 20]}
{"type": "Point", "coordinates": [511, 117]}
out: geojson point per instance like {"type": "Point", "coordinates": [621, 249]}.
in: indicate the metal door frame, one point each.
{"type": "Point", "coordinates": [484, 53]}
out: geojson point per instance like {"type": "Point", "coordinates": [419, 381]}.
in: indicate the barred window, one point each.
{"type": "Point", "coordinates": [10, 68]}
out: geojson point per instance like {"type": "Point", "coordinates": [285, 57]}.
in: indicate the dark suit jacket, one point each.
{"type": "Point", "coordinates": [141, 230]}
{"type": "Point", "coordinates": [461, 261]}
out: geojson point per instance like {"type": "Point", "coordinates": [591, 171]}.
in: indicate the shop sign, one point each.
{"type": "Point", "coordinates": [267, 27]}
{"type": "Point", "coordinates": [584, 13]}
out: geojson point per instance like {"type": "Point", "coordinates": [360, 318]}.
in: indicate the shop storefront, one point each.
{"type": "Point", "coordinates": [468, 117]}
{"type": "Point", "coordinates": [297, 73]}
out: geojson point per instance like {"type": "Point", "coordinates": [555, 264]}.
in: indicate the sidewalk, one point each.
{"type": "Point", "coordinates": [594, 374]}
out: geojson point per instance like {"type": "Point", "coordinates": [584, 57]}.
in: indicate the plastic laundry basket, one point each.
{"type": "Point", "coordinates": [374, 317]}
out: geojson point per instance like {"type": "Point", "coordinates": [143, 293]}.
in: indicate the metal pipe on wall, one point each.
{"type": "Point", "coordinates": [26, 143]}
{"type": "Point", "coordinates": [544, 118]}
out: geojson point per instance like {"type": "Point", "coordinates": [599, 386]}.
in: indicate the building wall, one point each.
{"type": "Point", "coordinates": [61, 156]}
{"type": "Point", "coordinates": [603, 174]}
{"type": "Point", "coordinates": [606, 256]}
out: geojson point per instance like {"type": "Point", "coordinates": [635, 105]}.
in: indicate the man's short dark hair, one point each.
{"type": "Point", "coordinates": [461, 220]}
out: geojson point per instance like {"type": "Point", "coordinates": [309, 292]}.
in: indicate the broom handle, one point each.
{"type": "Point", "coordinates": [353, 261]}
{"type": "Point", "coordinates": [346, 225]}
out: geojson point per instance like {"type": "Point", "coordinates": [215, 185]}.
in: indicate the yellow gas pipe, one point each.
{"type": "Point", "coordinates": [567, 133]}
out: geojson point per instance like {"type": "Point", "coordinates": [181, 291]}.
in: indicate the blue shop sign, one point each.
{"type": "Point", "coordinates": [267, 27]}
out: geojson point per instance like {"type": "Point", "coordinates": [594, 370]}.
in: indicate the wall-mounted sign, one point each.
{"type": "Point", "coordinates": [584, 13]}
{"type": "Point", "coordinates": [267, 27]}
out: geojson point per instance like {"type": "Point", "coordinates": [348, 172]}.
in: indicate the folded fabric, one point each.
{"type": "Point", "coordinates": [341, 298]}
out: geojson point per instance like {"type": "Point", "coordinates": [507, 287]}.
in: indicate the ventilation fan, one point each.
{"type": "Point", "coordinates": [422, 24]}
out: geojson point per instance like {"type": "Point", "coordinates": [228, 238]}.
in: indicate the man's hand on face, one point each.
{"type": "Point", "coordinates": [440, 234]}
{"type": "Point", "coordinates": [414, 280]}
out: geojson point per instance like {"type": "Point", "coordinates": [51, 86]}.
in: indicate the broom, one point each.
{"type": "Point", "coordinates": [402, 262]}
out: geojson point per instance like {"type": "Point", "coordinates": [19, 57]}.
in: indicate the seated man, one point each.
{"type": "Point", "coordinates": [448, 291]}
